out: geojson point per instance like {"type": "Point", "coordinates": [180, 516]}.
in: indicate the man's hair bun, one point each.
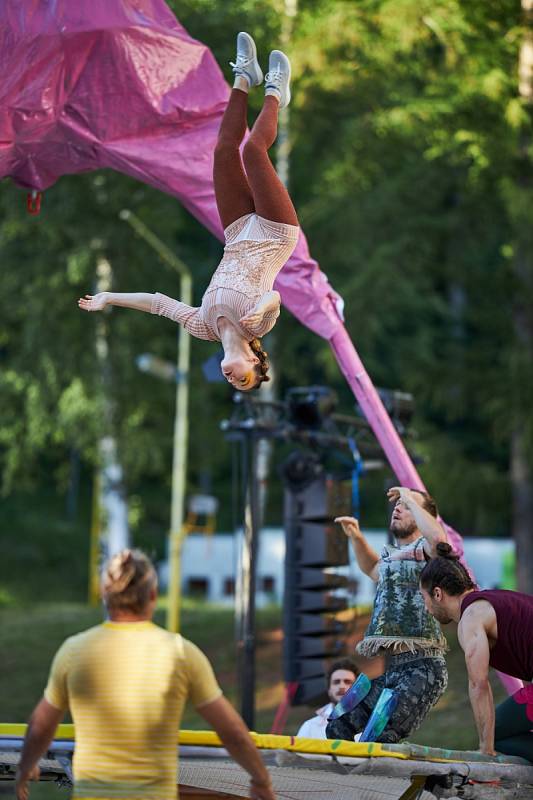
{"type": "Point", "coordinates": [445, 550]}
{"type": "Point", "coordinates": [119, 573]}
{"type": "Point", "coordinates": [127, 581]}
{"type": "Point", "coordinates": [446, 572]}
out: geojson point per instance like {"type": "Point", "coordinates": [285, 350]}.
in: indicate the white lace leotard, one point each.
{"type": "Point", "coordinates": [255, 251]}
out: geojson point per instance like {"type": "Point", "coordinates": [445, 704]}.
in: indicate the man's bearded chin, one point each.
{"type": "Point", "coordinates": [441, 617]}
{"type": "Point", "coordinates": [402, 531]}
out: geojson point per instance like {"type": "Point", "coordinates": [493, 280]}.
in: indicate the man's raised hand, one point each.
{"type": "Point", "coordinates": [350, 526]}
{"type": "Point", "coordinates": [400, 493]}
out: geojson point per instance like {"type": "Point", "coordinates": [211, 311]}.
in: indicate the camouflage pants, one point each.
{"type": "Point", "coordinates": [418, 682]}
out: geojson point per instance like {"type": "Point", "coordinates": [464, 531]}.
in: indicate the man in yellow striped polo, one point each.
{"type": "Point", "coordinates": [126, 682]}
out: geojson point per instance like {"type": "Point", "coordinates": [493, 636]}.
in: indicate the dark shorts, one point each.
{"type": "Point", "coordinates": [417, 680]}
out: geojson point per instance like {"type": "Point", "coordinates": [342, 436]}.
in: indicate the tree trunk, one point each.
{"type": "Point", "coordinates": [113, 505]}
{"type": "Point", "coordinates": [522, 525]}
{"type": "Point", "coordinates": [521, 469]}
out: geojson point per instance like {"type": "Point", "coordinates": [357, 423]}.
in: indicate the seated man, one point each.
{"type": "Point", "coordinates": [339, 678]}
{"type": "Point", "coordinates": [495, 629]}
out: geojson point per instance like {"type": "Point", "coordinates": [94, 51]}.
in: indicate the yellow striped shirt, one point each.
{"type": "Point", "coordinates": [126, 684]}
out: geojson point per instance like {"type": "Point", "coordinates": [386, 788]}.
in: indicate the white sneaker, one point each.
{"type": "Point", "coordinates": [278, 76]}
{"type": "Point", "coordinates": [246, 63]}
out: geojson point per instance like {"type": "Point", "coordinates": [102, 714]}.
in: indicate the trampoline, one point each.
{"type": "Point", "coordinates": [309, 768]}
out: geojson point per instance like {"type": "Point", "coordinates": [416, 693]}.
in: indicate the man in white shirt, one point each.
{"type": "Point", "coordinates": [340, 677]}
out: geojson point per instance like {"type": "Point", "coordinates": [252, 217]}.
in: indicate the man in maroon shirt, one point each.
{"type": "Point", "coordinates": [495, 628]}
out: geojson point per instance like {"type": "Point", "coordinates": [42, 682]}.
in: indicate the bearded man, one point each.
{"type": "Point", "coordinates": [400, 628]}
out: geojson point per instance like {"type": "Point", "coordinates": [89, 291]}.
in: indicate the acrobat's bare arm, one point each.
{"type": "Point", "coordinates": [140, 301]}
{"type": "Point", "coordinates": [158, 303]}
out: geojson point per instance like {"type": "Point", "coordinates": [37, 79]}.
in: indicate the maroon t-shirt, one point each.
{"type": "Point", "coordinates": [513, 652]}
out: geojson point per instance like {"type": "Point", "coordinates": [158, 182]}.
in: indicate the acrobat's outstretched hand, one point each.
{"type": "Point", "coordinates": [93, 302]}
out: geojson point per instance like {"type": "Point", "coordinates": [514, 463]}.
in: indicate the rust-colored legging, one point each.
{"type": "Point", "coordinates": [251, 184]}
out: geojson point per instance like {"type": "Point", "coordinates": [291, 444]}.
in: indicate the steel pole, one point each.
{"type": "Point", "coordinates": [252, 514]}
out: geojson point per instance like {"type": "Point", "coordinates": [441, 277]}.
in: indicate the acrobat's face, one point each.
{"type": "Point", "coordinates": [339, 683]}
{"type": "Point", "coordinates": [240, 372]}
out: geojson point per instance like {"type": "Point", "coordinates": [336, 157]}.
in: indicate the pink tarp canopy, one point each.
{"type": "Point", "coordinates": [120, 84]}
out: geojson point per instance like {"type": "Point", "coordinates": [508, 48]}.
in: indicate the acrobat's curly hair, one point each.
{"type": "Point", "coordinates": [262, 368]}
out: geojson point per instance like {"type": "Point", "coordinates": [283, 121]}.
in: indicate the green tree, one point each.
{"type": "Point", "coordinates": [409, 613]}
{"type": "Point", "coordinates": [388, 604]}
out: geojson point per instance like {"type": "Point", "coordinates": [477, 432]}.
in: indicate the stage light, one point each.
{"type": "Point", "coordinates": [300, 469]}
{"type": "Point", "coordinates": [310, 406]}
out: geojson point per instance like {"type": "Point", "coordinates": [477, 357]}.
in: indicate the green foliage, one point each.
{"type": "Point", "coordinates": [406, 136]}
{"type": "Point", "coordinates": [45, 548]}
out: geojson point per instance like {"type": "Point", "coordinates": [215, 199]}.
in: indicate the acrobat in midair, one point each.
{"type": "Point", "coordinates": [260, 228]}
